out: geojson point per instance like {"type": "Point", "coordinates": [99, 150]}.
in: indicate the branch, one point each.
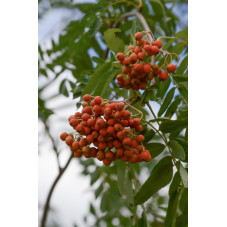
{"type": "Point", "coordinates": [46, 207]}
{"type": "Point", "coordinates": [53, 143]}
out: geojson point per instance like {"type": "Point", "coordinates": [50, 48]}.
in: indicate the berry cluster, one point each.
{"type": "Point", "coordinates": [137, 70]}
{"type": "Point", "coordinates": [106, 130]}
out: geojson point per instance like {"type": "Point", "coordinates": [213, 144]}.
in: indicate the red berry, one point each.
{"type": "Point", "coordinates": [86, 149]}
{"type": "Point", "coordinates": [83, 142]}
{"type": "Point", "coordinates": [117, 144]}
{"type": "Point", "coordinates": [127, 142]}
{"type": "Point", "coordinates": [133, 58]}
{"type": "Point", "coordinates": [78, 153]}
{"type": "Point", "coordinates": [154, 50]}
{"type": "Point", "coordinates": [75, 145]}
{"type": "Point", "coordinates": [143, 155]}
{"type": "Point", "coordinates": [120, 77]}
{"type": "Point", "coordinates": [139, 128]}
{"type": "Point", "coordinates": [131, 47]}
{"type": "Point", "coordinates": [147, 68]}
{"type": "Point", "coordinates": [63, 135]}
{"type": "Point", "coordinates": [126, 114]}
{"type": "Point", "coordinates": [120, 56]}
{"type": "Point", "coordinates": [147, 48]}
{"type": "Point", "coordinates": [138, 67]}
{"type": "Point", "coordinates": [90, 122]}
{"type": "Point", "coordinates": [138, 36]}
{"type": "Point", "coordinates": [140, 42]}
{"type": "Point", "coordinates": [127, 62]}
{"type": "Point", "coordinates": [109, 155]}
{"type": "Point", "coordinates": [93, 152]}
{"type": "Point", "coordinates": [141, 56]}
{"type": "Point", "coordinates": [157, 72]}
{"type": "Point", "coordinates": [140, 138]}
{"type": "Point", "coordinates": [90, 139]}
{"type": "Point", "coordinates": [69, 140]}
{"type": "Point", "coordinates": [137, 50]}
{"type": "Point", "coordinates": [171, 68]}
{"type": "Point", "coordinates": [157, 43]}
{"type": "Point", "coordinates": [87, 98]}
{"type": "Point", "coordinates": [100, 155]}
{"type": "Point", "coordinates": [85, 116]}
{"type": "Point", "coordinates": [98, 100]}
{"type": "Point", "coordinates": [136, 121]}
{"type": "Point", "coordinates": [163, 76]}
{"type": "Point", "coordinates": [106, 162]}
{"type": "Point", "coordinates": [120, 106]}
{"type": "Point", "coordinates": [126, 69]}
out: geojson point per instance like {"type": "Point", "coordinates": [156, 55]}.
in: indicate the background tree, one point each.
{"type": "Point", "coordinates": [86, 49]}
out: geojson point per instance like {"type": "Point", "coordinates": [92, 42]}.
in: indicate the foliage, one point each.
{"type": "Point", "coordinates": [102, 32]}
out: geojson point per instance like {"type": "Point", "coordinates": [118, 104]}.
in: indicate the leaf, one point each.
{"type": "Point", "coordinates": [148, 135]}
{"type": "Point", "coordinates": [183, 91]}
{"type": "Point", "coordinates": [180, 78]}
{"type": "Point", "coordinates": [183, 107]}
{"type": "Point", "coordinates": [113, 43]}
{"type": "Point", "coordinates": [155, 149]}
{"type": "Point", "coordinates": [183, 34]}
{"type": "Point", "coordinates": [175, 183]}
{"type": "Point", "coordinates": [63, 89]}
{"type": "Point", "coordinates": [172, 108]}
{"type": "Point", "coordinates": [160, 176]}
{"type": "Point", "coordinates": [166, 102]}
{"type": "Point", "coordinates": [98, 191]}
{"type": "Point", "coordinates": [178, 48]}
{"type": "Point", "coordinates": [121, 167]}
{"type": "Point", "coordinates": [92, 209]}
{"type": "Point", "coordinates": [100, 80]}
{"type": "Point", "coordinates": [183, 66]}
{"type": "Point", "coordinates": [116, 64]}
{"type": "Point", "coordinates": [183, 174]}
{"type": "Point", "coordinates": [128, 188]}
{"type": "Point", "coordinates": [163, 87]}
{"type": "Point", "coordinates": [177, 149]}
{"type": "Point", "coordinates": [160, 119]}
{"type": "Point", "coordinates": [172, 209]}
{"type": "Point", "coordinates": [184, 201]}
{"type": "Point", "coordinates": [173, 125]}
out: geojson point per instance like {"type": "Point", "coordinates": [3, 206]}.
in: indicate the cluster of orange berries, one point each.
{"type": "Point", "coordinates": [106, 130]}
{"type": "Point", "coordinates": [137, 70]}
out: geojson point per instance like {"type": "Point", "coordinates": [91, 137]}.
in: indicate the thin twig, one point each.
{"type": "Point", "coordinates": [53, 144]}
{"type": "Point", "coordinates": [46, 207]}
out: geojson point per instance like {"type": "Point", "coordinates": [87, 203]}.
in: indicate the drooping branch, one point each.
{"type": "Point", "coordinates": [53, 144]}
{"type": "Point", "coordinates": [47, 204]}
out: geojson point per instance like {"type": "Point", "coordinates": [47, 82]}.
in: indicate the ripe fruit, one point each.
{"type": "Point", "coordinates": [138, 36]}
{"type": "Point", "coordinates": [87, 98]}
{"type": "Point", "coordinates": [63, 135]}
{"type": "Point", "coordinates": [100, 131]}
{"type": "Point", "coordinates": [163, 76]}
{"type": "Point", "coordinates": [171, 68]}
{"type": "Point", "coordinates": [69, 140]}
{"type": "Point", "coordinates": [120, 56]}
{"type": "Point", "coordinates": [157, 43]}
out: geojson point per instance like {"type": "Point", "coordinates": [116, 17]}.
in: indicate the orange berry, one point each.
{"type": "Point", "coordinates": [120, 56]}
{"type": "Point", "coordinates": [87, 98]}
{"type": "Point", "coordinates": [138, 36]}
{"type": "Point", "coordinates": [69, 140]}
{"type": "Point", "coordinates": [63, 135]}
{"type": "Point", "coordinates": [163, 76]}
{"type": "Point", "coordinates": [157, 43]}
{"type": "Point", "coordinates": [171, 68]}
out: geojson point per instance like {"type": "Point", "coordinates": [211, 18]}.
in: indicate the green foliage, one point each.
{"type": "Point", "coordinates": [160, 176]}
